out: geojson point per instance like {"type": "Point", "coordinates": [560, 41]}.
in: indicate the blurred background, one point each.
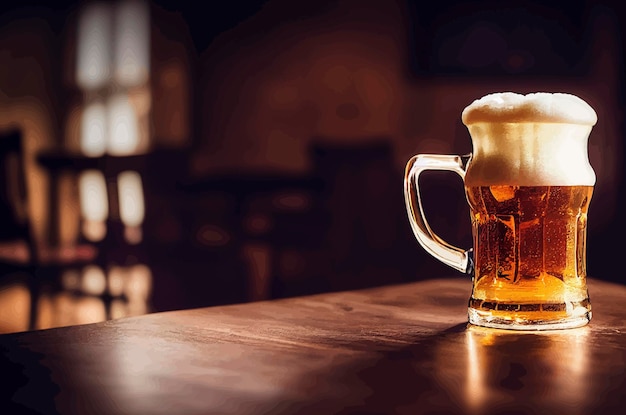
{"type": "Point", "coordinates": [161, 155]}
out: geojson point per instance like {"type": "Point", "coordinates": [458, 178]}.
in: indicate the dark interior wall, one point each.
{"type": "Point", "coordinates": [341, 92]}
{"type": "Point", "coordinates": [286, 76]}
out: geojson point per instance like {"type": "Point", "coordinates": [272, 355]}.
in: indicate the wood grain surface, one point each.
{"type": "Point", "coordinates": [404, 349]}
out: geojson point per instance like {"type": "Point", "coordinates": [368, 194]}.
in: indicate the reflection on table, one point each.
{"type": "Point", "coordinates": [399, 349]}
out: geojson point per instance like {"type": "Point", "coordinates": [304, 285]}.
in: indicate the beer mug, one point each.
{"type": "Point", "coordinates": [528, 183]}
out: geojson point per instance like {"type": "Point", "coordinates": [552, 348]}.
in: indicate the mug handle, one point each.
{"type": "Point", "coordinates": [457, 258]}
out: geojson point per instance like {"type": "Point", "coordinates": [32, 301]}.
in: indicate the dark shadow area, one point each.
{"type": "Point", "coordinates": [460, 370]}
{"type": "Point", "coordinates": [271, 141]}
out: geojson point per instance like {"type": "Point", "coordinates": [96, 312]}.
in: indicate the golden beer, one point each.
{"type": "Point", "coordinates": [528, 182]}
{"type": "Point", "coordinates": [529, 251]}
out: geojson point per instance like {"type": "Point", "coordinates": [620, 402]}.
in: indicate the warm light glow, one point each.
{"type": "Point", "coordinates": [93, 196]}
{"type": "Point", "coordinates": [94, 46]}
{"type": "Point", "coordinates": [94, 230]}
{"type": "Point", "coordinates": [68, 223]}
{"type": "Point", "coordinates": [65, 309]}
{"type": "Point", "coordinates": [14, 306]}
{"type": "Point", "coordinates": [489, 364]}
{"type": "Point", "coordinates": [137, 308]}
{"type": "Point", "coordinates": [132, 43]}
{"type": "Point", "coordinates": [114, 37]}
{"type": "Point", "coordinates": [123, 128]}
{"type": "Point", "coordinates": [70, 310]}
{"type": "Point", "coordinates": [138, 284]}
{"type": "Point", "coordinates": [70, 279]}
{"type": "Point", "coordinates": [93, 138]}
{"type": "Point", "coordinates": [117, 275]}
{"type": "Point", "coordinates": [573, 348]}
{"type": "Point", "coordinates": [94, 205]}
{"type": "Point", "coordinates": [133, 234]}
{"type": "Point", "coordinates": [45, 306]}
{"type": "Point", "coordinates": [89, 310]}
{"type": "Point", "coordinates": [118, 309]}
{"type": "Point", "coordinates": [137, 289]}
{"type": "Point", "coordinates": [475, 384]}
{"type": "Point", "coordinates": [94, 280]}
{"type": "Point", "coordinates": [135, 282]}
{"type": "Point", "coordinates": [131, 199]}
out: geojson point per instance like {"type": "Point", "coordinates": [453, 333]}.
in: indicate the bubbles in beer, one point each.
{"type": "Point", "coordinates": [529, 243]}
{"type": "Point", "coordinates": [528, 184]}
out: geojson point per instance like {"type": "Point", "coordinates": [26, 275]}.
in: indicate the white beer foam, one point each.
{"type": "Point", "coordinates": [545, 107]}
{"type": "Point", "coordinates": [537, 139]}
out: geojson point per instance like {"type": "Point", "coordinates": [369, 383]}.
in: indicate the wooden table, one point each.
{"type": "Point", "coordinates": [402, 349]}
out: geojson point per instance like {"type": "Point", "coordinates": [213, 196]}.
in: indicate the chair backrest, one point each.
{"type": "Point", "coordinates": [14, 217]}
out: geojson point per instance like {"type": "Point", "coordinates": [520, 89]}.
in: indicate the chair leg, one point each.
{"type": "Point", "coordinates": [33, 287]}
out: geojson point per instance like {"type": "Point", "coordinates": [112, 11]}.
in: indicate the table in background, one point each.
{"type": "Point", "coordinates": [403, 349]}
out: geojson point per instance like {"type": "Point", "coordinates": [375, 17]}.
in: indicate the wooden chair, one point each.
{"type": "Point", "coordinates": [18, 252]}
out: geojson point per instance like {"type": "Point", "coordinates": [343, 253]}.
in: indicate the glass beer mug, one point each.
{"type": "Point", "coordinates": [528, 183]}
